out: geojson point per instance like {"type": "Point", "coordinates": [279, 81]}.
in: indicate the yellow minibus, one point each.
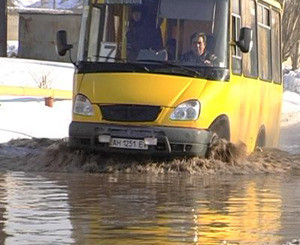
{"type": "Point", "coordinates": [172, 76]}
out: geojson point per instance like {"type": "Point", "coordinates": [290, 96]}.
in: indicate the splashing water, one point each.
{"type": "Point", "coordinates": [223, 158]}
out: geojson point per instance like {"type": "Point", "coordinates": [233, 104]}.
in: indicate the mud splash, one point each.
{"type": "Point", "coordinates": [224, 158]}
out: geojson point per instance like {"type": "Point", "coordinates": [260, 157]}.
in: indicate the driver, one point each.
{"type": "Point", "coordinates": [198, 53]}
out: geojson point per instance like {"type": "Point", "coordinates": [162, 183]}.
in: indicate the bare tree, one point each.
{"type": "Point", "coordinates": [291, 31]}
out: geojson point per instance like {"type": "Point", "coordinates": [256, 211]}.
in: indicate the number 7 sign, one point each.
{"type": "Point", "coordinates": [108, 52]}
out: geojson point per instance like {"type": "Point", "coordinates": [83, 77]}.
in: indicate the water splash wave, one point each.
{"type": "Point", "coordinates": [224, 158]}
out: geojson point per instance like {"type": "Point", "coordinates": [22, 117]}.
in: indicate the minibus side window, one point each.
{"type": "Point", "coordinates": [276, 55]}
{"type": "Point", "coordinates": [94, 34]}
{"type": "Point", "coordinates": [264, 40]}
{"type": "Point", "coordinates": [105, 33]}
{"type": "Point", "coordinates": [250, 65]}
{"type": "Point", "coordinates": [111, 43]}
{"type": "Point", "coordinates": [236, 25]}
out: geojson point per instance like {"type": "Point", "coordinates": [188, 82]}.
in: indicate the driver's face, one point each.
{"type": "Point", "coordinates": [198, 46]}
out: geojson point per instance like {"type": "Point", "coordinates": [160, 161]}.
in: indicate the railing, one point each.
{"type": "Point", "coordinates": [38, 92]}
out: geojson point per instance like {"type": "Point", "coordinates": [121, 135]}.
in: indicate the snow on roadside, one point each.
{"type": "Point", "coordinates": [291, 98]}
{"type": "Point", "coordinates": [31, 118]}
{"type": "Point", "coordinates": [292, 80]}
{"type": "Point", "coordinates": [12, 48]}
{"type": "Point", "coordinates": [30, 73]}
{"type": "Point", "coordinates": [51, 4]}
{"type": "Point", "coordinates": [25, 117]}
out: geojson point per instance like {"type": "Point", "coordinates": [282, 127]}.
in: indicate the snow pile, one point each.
{"type": "Point", "coordinates": [292, 80]}
{"type": "Point", "coordinates": [291, 102]}
{"type": "Point", "coordinates": [49, 4]}
{"type": "Point", "coordinates": [24, 3]}
{"type": "Point", "coordinates": [12, 48]}
{"type": "Point", "coordinates": [33, 73]}
{"type": "Point", "coordinates": [29, 117]}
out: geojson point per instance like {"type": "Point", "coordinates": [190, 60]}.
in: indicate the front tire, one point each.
{"type": "Point", "coordinates": [221, 128]}
{"type": "Point", "coordinates": [261, 139]}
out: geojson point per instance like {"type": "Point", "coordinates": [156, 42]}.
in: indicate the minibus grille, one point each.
{"type": "Point", "coordinates": [130, 113]}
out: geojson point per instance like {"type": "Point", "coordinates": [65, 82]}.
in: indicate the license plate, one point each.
{"type": "Point", "coordinates": [128, 144]}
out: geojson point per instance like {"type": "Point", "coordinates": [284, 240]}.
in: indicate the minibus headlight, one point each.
{"type": "Point", "coordinates": [83, 106]}
{"type": "Point", "coordinates": [189, 110]}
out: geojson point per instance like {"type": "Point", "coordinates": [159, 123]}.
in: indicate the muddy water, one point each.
{"type": "Point", "coordinates": [52, 195]}
{"type": "Point", "coordinates": [78, 208]}
{"type": "Point", "coordinates": [225, 158]}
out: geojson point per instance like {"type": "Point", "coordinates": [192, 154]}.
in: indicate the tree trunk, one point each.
{"type": "Point", "coordinates": [3, 29]}
{"type": "Point", "coordinates": [295, 56]}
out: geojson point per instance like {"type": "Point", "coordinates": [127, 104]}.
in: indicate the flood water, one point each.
{"type": "Point", "coordinates": [52, 195]}
{"type": "Point", "coordinates": [82, 208]}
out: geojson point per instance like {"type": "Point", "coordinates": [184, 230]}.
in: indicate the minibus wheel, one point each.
{"type": "Point", "coordinates": [220, 126]}
{"type": "Point", "coordinates": [261, 138]}
{"type": "Point", "coordinates": [214, 141]}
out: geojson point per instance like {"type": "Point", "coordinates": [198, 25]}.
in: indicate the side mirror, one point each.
{"type": "Point", "coordinates": [62, 45]}
{"type": "Point", "coordinates": [245, 41]}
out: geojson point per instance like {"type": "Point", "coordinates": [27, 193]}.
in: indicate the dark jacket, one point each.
{"type": "Point", "coordinates": [134, 36]}
{"type": "Point", "coordinates": [143, 35]}
{"type": "Point", "coordinates": [190, 56]}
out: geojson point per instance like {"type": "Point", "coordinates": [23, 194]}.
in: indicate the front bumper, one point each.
{"type": "Point", "coordinates": [170, 140]}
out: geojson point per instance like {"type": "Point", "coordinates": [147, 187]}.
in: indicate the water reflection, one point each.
{"type": "Point", "coordinates": [143, 209]}
{"type": "Point", "coordinates": [36, 210]}
{"type": "Point", "coordinates": [250, 215]}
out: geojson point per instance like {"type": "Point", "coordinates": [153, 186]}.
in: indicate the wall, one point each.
{"type": "Point", "coordinates": [12, 25]}
{"type": "Point", "coordinates": [37, 34]}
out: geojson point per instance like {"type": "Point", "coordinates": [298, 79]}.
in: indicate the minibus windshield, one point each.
{"type": "Point", "coordinates": [189, 33]}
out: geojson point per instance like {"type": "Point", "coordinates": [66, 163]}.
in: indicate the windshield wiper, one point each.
{"type": "Point", "coordinates": [195, 72]}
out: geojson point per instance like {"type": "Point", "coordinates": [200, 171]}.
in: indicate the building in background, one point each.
{"type": "Point", "coordinates": [32, 27]}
